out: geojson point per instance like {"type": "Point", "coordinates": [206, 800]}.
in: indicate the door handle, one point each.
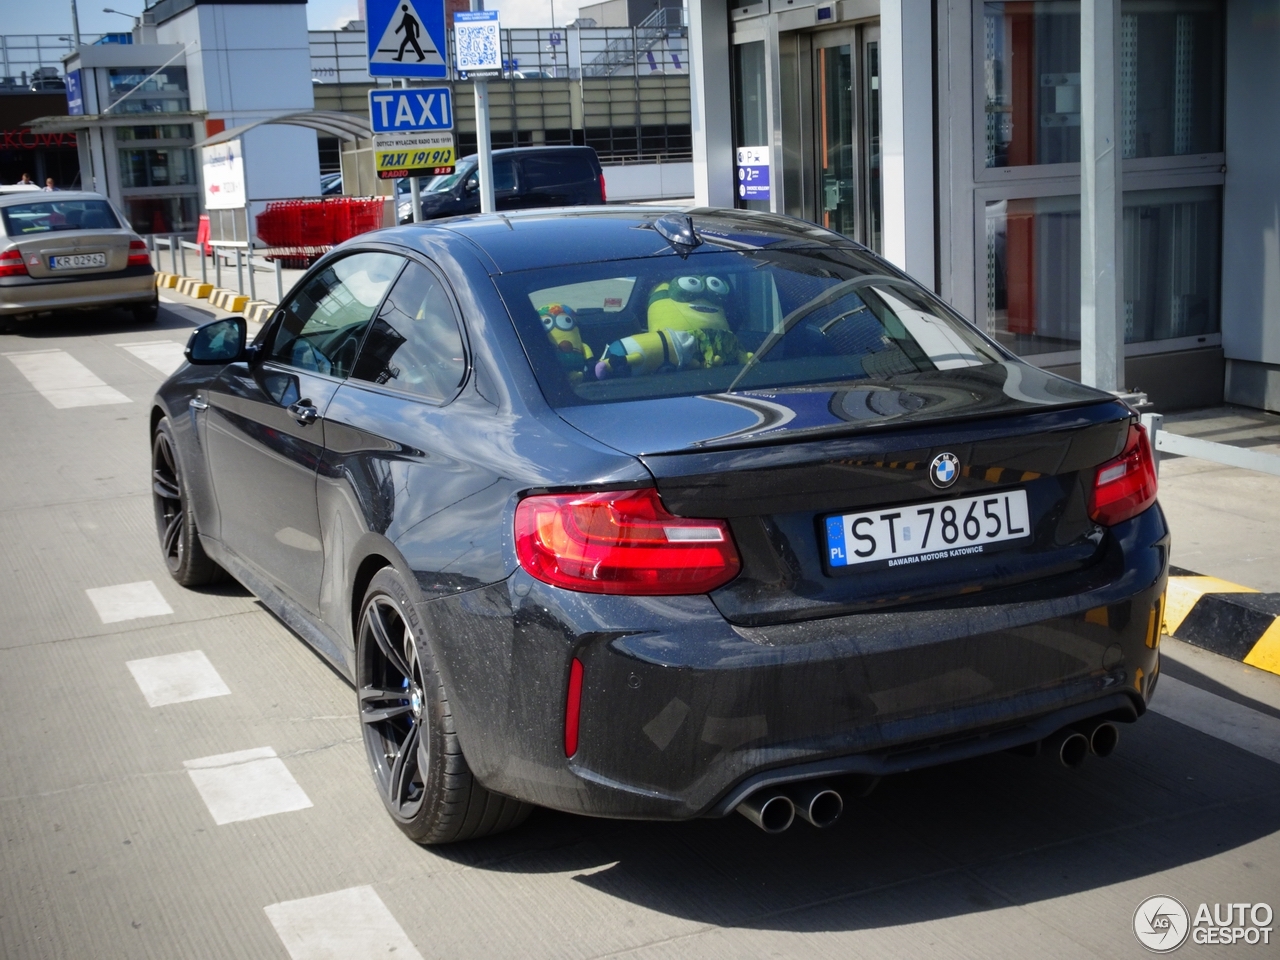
{"type": "Point", "coordinates": [195, 403]}
{"type": "Point", "coordinates": [303, 412]}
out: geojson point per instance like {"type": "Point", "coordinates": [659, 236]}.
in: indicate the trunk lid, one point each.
{"type": "Point", "coordinates": [779, 465]}
{"type": "Point", "coordinates": [112, 244]}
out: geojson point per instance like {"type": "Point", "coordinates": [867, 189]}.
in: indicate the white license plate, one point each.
{"type": "Point", "coordinates": [78, 261]}
{"type": "Point", "coordinates": [921, 532]}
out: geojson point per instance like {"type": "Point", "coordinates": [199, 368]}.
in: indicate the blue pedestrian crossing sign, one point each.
{"type": "Point", "coordinates": [407, 39]}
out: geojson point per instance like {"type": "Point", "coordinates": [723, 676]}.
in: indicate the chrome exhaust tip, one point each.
{"type": "Point", "coordinates": [771, 811]}
{"type": "Point", "coordinates": [816, 803]}
{"type": "Point", "coordinates": [1069, 747]}
{"type": "Point", "coordinates": [1103, 739]}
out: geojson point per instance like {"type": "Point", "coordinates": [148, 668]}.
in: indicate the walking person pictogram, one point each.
{"type": "Point", "coordinates": [409, 24]}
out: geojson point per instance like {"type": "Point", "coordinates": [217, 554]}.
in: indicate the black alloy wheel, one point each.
{"type": "Point", "coordinates": [175, 525]}
{"type": "Point", "coordinates": [408, 729]}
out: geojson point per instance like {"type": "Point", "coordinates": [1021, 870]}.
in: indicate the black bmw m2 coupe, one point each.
{"type": "Point", "coordinates": [635, 512]}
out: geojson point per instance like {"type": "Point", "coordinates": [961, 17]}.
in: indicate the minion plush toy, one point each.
{"type": "Point", "coordinates": [687, 329]}
{"type": "Point", "coordinates": [562, 327]}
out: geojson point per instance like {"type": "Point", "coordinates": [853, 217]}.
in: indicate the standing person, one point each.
{"type": "Point", "coordinates": [411, 29]}
{"type": "Point", "coordinates": [48, 185]}
{"type": "Point", "coordinates": [26, 180]}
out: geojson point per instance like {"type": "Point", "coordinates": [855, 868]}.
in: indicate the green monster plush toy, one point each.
{"type": "Point", "coordinates": [562, 327]}
{"type": "Point", "coordinates": [687, 330]}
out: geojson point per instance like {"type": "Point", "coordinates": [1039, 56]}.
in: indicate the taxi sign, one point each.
{"type": "Point", "coordinates": [418, 154]}
{"type": "Point", "coordinates": [412, 109]}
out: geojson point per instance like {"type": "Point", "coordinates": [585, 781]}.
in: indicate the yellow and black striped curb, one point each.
{"type": "Point", "coordinates": [166, 280]}
{"type": "Point", "coordinates": [194, 287]}
{"type": "Point", "coordinates": [1231, 620]}
{"type": "Point", "coordinates": [258, 311]}
{"type": "Point", "coordinates": [228, 300]}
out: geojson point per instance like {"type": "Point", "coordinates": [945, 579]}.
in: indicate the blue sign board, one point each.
{"type": "Point", "coordinates": [753, 173]}
{"type": "Point", "coordinates": [407, 38]}
{"type": "Point", "coordinates": [417, 108]}
{"type": "Point", "coordinates": [75, 94]}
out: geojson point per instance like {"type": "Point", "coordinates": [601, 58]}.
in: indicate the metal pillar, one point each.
{"type": "Point", "coordinates": [710, 56]}
{"type": "Point", "coordinates": [484, 148]}
{"type": "Point", "coordinates": [1101, 198]}
{"type": "Point", "coordinates": [204, 266]}
{"type": "Point", "coordinates": [173, 253]}
{"type": "Point", "coordinates": [279, 281]}
{"type": "Point", "coordinates": [239, 272]}
{"type": "Point", "coordinates": [253, 289]}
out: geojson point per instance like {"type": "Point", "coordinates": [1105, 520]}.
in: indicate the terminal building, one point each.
{"type": "Point", "coordinates": [946, 134]}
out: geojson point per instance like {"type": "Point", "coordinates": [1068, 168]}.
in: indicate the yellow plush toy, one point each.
{"type": "Point", "coordinates": [687, 329]}
{"type": "Point", "coordinates": [562, 327]}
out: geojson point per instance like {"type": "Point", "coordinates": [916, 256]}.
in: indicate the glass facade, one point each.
{"type": "Point", "coordinates": [751, 125]}
{"type": "Point", "coordinates": [157, 174]}
{"type": "Point", "coordinates": [1172, 240]}
{"type": "Point", "coordinates": [163, 214]}
{"type": "Point", "coordinates": [166, 92]}
{"type": "Point", "coordinates": [157, 168]}
{"type": "Point", "coordinates": [1170, 74]}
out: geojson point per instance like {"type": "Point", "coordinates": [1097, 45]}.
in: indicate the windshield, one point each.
{"type": "Point", "coordinates": [722, 322]}
{"type": "Point", "coordinates": [44, 216]}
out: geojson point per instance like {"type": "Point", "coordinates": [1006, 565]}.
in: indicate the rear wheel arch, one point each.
{"type": "Point", "coordinates": [365, 573]}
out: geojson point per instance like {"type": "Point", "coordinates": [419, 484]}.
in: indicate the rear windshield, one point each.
{"type": "Point", "coordinates": [729, 321]}
{"type": "Point", "coordinates": [44, 216]}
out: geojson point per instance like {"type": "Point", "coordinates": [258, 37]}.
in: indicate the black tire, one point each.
{"type": "Point", "coordinates": [408, 729]}
{"type": "Point", "coordinates": [175, 521]}
{"type": "Point", "coordinates": [147, 312]}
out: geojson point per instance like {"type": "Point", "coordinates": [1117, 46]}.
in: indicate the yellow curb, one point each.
{"type": "Point", "coordinates": [1183, 592]}
{"type": "Point", "coordinates": [235, 304]}
{"type": "Point", "coordinates": [1265, 654]}
{"type": "Point", "coordinates": [200, 290]}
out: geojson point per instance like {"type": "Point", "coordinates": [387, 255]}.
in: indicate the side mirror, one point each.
{"type": "Point", "coordinates": [222, 341]}
{"type": "Point", "coordinates": [472, 184]}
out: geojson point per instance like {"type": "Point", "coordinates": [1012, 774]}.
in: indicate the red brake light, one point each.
{"type": "Point", "coordinates": [604, 197]}
{"type": "Point", "coordinates": [138, 255]}
{"type": "Point", "coordinates": [572, 708]}
{"type": "Point", "coordinates": [1125, 486]}
{"type": "Point", "coordinates": [621, 542]}
{"type": "Point", "coordinates": [11, 264]}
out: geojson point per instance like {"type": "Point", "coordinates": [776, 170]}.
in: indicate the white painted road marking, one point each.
{"type": "Point", "coordinates": [246, 785]}
{"type": "Point", "coordinates": [165, 355]}
{"type": "Point", "coordinates": [128, 601]}
{"type": "Point", "coordinates": [177, 678]}
{"type": "Point", "coordinates": [63, 380]}
{"type": "Point", "coordinates": [1219, 717]}
{"type": "Point", "coordinates": [352, 924]}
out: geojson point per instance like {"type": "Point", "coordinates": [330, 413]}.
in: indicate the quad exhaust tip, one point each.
{"type": "Point", "coordinates": [1069, 747]}
{"type": "Point", "coordinates": [1103, 739]}
{"type": "Point", "coordinates": [773, 811]}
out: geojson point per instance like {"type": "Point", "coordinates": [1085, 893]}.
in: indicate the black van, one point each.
{"type": "Point", "coordinates": [522, 177]}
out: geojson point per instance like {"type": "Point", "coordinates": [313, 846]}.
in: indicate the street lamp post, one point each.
{"type": "Point", "coordinates": [75, 23]}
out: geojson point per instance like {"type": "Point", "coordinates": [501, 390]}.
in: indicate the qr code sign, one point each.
{"type": "Point", "coordinates": [477, 46]}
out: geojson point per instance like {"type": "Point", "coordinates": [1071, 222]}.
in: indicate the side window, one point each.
{"type": "Point", "coordinates": [545, 172]}
{"type": "Point", "coordinates": [324, 321]}
{"type": "Point", "coordinates": [504, 175]}
{"type": "Point", "coordinates": [415, 344]}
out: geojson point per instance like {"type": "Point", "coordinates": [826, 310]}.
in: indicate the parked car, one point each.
{"type": "Point", "coordinates": [331, 185]}
{"type": "Point", "coordinates": [523, 177]}
{"type": "Point", "coordinates": [633, 513]}
{"type": "Point", "coordinates": [71, 250]}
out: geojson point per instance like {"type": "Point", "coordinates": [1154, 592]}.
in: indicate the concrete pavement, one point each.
{"type": "Point", "coordinates": [115, 840]}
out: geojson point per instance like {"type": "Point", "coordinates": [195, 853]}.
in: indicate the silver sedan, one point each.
{"type": "Point", "coordinates": [71, 251]}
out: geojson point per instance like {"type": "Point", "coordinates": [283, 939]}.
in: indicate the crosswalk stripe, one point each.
{"type": "Point", "coordinates": [165, 355]}
{"type": "Point", "coordinates": [63, 380]}
{"type": "Point", "coordinates": [128, 601]}
{"type": "Point", "coordinates": [353, 924]}
{"type": "Point", "coordinates": [246, 785]}
{"type": "Point", "coordinates": [177, 678]}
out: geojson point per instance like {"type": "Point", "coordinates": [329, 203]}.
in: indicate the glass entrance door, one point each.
{"type": "Point", "coordinates": [846, 132]}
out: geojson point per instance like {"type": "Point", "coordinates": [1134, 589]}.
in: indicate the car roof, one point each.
{"type": "Point", "coordinates": [534, 151]}
{"type": "Point", "coordinates": [563, 236]}
{"type": "Point", "coordinates": [29, 196]}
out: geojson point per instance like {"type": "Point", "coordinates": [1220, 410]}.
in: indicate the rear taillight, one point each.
{"type": "Point", "coordinates": [604, 197]}
{"type": "Point", "coordinates": [621, 542]}
{"type": "Point", "coordinates": [1125, 486]}
{"type": "Point", "coordinates": [138, 255]}
{"type": "Point", "coordinates": [11, 264]}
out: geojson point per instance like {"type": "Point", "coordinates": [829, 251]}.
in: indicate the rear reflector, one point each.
{"type": "Point", "coordinates": [138, 255]}
{"type": "Point", "coordinates": [604, 196]}
{"type": "Point", "coordinates": [1125, 486]}
{"type": "Point", "coordinates": [572, 708]}
{"type": "Point", "coordinates": [11, 264]}
{"type": "Point", "coordinates": [621, 542]}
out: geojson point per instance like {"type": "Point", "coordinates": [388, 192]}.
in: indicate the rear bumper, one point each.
{"type": "Point", "coordinates": [20, 295]}
{"type": "Point", "coordinates": [683, 713]}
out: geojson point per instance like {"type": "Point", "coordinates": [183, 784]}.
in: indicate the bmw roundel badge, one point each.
{"type": "Point", "coordinates": [944, 470]}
